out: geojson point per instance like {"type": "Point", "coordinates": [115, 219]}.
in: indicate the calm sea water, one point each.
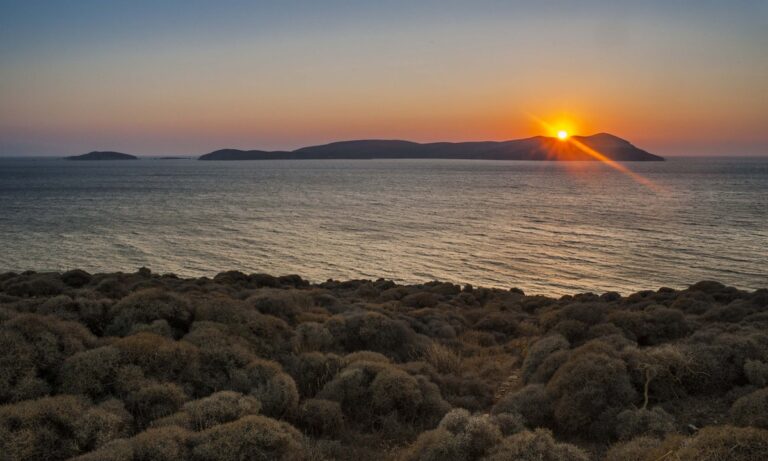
{"type": "Point", "coordinates": [549, 228]}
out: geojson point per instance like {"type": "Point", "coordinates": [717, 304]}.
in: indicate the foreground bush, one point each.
{"type": "Point", "coordinates": [141, 366]}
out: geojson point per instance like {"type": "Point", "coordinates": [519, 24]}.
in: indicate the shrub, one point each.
{"type": "Point", "coordinates": [41, 429]}
{"type": "Point", "coordinates": [756, 372]}
{"type": "Point", "coordinates": [716, 443]}
{"type": "Point", "coordinates": [276, 390]}
{"type": "Point", "coordinates": [284, 304]}
{"type": "Point", "coordinates": [251, 437]}
{"type": "Point", "coordinates": [539, 351]}
{"type": "Point", "coordinates": [155, 401]}
{"type": "Point", "coordinates": [374, 332]}
{"type": "Point", "coordinates": [18, 373]}
{"type": "Point", "coordinates": [222, 355]}
{"type": "Point", "coordinates": [76, 278]}
{"type": "Point", "coordinates": [101, 424]}
{"type": "Point", "coordinates": [160, 358]}
{"type": "Point", "coordinates": [442, 358]}
{"type": "Point", "coordinates": [221, 407]}
{"type": "Point", "coordinates": [313, 370]}
{"type": "Point", "coordinates": [91, 372]}
{"type": "Point", "coordinates": [752, 409]}
{"type": "Point", "coordinates": [312, 336]}
{"type": "Point", "coordinates": [147, 306]}
{"type": "Point", "coordinates": [459, 437]}
{"type": "Point", "coordinates": [161, 444]}
{"type": "Point", "coordinates": [538, 445]}
{"type": "Point", "coordinates": [532, 402]}
{"type": "Point", "coordinates": [585, 387]}
{"type": "Point", "coordinates": [321, 418]}
{"type": "Point", "coordinates": [51, 341]}
{"type": "Point", "coordinates": [636, 449]}
{"type": "Point", "coordinates": [369, 392]}
{"type": "Point", "coordinates": [654, 422]}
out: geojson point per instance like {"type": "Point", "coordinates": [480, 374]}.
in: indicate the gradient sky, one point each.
{"type": "Point", "coordinates": [187, 77]}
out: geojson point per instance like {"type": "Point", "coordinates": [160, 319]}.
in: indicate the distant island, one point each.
{"type": "Point", "coordinates": [536, 148]}
{"type": "Point", "coordinates": [103, 155]}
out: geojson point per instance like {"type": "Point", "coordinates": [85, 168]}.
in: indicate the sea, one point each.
{"type": "Point", "coordinates": [549, 228]}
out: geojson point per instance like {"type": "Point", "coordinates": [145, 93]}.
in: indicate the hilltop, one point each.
{"type": "Point", "coordinates": [103, 155]}
{"type": "Point", "coordinates": [139, 366]}
{"type": "Point", "coordinates": [536, 148]}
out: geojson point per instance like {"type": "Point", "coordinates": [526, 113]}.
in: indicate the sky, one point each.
{"type": "Point", "coordinates": [187, 77]}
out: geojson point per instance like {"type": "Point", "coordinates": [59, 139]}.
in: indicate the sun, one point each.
{"type": "Point", "coordinates": [562, 134]}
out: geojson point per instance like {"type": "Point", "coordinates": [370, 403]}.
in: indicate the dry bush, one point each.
{"type": "Point", "coordinates": [45, 428]}
{"type": "Point", "coordinates": [442, 358]}
{"type": "Point", "coordinates": [90, 372]}
{"type": "Point", "coordinates": [375, 332]}
{"type": "Point", "coordinates": [311, 371]}
{"type": "Point", "coordinates": [321, 418]}
{"type": "Point", "coordinates": [160, 358]}
{"type": "Point", "coordinates": [538, 445]}
{"type": "Point", "coordinates": [716, 443]}
{"type": "Point", "coordinates": [532, 402]}
{"type": "Point", "coordinates": [636, 449]}
{"type": "Point", "coordinates": [147, 306]}
{"type": "Point", "coordinates": [312, 336]}
{"type": "Point", "coordinates": [756, 372]}
{"type": "Point", "coordinates": [220, 407]}
{"type": "Point", "coordinates": [283, 304]}
{"type": "Point", "coordinates": [161, 444]}
{"type": "Point", "coordinates": [752, 409]}
{"type": "Point", "coordinates": [636, 422]}
{"type": "Point", "coordinates": [255, 438]}
{"type": "Point", "coordinates": [460, 436]}
{"type": "Point", "coordinates": [585, 387]}
{"type": "Point", "coordinates": [274, 388]}
{"type": "Point", "coordinates": [539, 351]}
{"type": "Point", "coordinates": [153, 401]}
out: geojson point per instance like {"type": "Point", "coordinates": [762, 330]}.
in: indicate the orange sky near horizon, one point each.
{"type": "Point", "coordinates": [670, 80]}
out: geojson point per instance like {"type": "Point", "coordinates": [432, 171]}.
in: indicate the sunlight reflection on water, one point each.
{"type": "Point", "coordinates": [546, 227]}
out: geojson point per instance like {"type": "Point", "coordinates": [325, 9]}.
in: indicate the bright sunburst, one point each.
{"type": "Point", "coordinates": [562, 134]}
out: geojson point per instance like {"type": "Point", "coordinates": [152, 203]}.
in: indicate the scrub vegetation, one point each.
{"type": "Point", "coordinates": [140, 366]}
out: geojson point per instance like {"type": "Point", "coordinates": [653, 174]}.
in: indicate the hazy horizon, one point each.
{"type": "Point", "coordinates": [186, 78]}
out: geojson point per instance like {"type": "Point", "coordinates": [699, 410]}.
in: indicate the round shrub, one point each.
{"type": "Point", "coordinates": [154, 401]}
{"type": "Point", "coordinates": [218, 408]}
{"type": "Point", "coordinates": [752, 409]}
{"type": "Point", "coordinates": [276, 390]}
{"type": "Point", "coordinates": [102, 424]}
{"type": "Point", "coordinates": [654, 422]}
{"type": "Point", "coordinates": [717, 443]}
{"type": "Point", "coordinates": [90, 372]}
{"type": "Point", "coordinates": [585, 387]}
{"type": "Point", "coordinates": [313, 370]}
{"type": "Point", "coordinates": [161, 444]}
{"type": "Point", "coordinates": [538, 445]}
{"type": "Point", "coordinates": [76, 278]}
{"type": "Point", "coordinates": [146, 306]}
{"type": "Point", "coordinates": [394, 390]}
{"type": "Point", "coordinates": [321, 418]}
{"type": "Point", "coordinates": [255, 438]}
{"type": "Point", "coordinates": [41, 429]}
{"type": "Point", "coordinates": [539, 351]}
{"type": "Point", "coordinates": [637, 449]}
{"type": "Point", "coordinates": [459, 437]}
{"type": "Point", "coordinates": [756, 372]}
{"type": "Point", "coordinates": [531, 402]}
